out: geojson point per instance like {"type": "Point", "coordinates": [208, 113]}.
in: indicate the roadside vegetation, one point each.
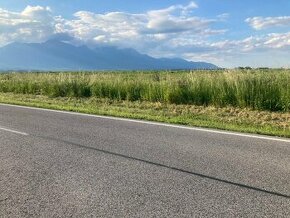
{"type": "Point", "coordinates": [247, 100]}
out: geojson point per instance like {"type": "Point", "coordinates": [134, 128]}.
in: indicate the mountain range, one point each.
{"type": "Point", "coordinates": [58, 55]}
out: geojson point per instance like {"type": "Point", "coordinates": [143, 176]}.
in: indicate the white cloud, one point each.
{"type": "Point", "coordinates": [265, 42]}
{"type": "Point", "coordinates": [177, 24]}
{"type": "Point", "coordinates": [232, 52]}
{"type": "Point", "coordinates": [145, 32]}
{"type": "Point", "coordinates": [31, 25]}
{"type": "Point", "coordinates": [223, 17]}
{"type": "Point", "coordinates": [278, 40]}
{"type": "Point", "coordinates": [184, 10]}
{"type": "Point", "coordinates": [260, 23]}
{"type": "Point", "coordinates": [118, 27]}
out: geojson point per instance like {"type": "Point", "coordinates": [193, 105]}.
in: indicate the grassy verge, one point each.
{"type": "Point", "coordinates": [227, 118]}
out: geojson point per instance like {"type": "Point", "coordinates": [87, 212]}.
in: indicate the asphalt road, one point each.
{"type": "Point", "coordinates": [55, 164]}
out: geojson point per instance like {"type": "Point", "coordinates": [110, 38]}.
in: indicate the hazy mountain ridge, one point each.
{"type": "Point", "coordinates": [57, 55]}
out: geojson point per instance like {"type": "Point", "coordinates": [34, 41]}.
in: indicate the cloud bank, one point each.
{"type": "Point", "coordinates": [33, 24]}
{"type": "Point", "coordinates": [260, 23]}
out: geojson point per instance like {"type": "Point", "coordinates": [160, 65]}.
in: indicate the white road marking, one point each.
{"type": "Point", "coordinates": [13, 131]}
{"type": "Point", "coordinates": [158, 124]}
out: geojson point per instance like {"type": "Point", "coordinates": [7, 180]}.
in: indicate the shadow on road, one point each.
{"type": "Point", "coordinates": [168, 167]}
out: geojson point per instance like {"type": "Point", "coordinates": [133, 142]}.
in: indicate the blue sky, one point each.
{"type": "Point", "coordinates": [228, 33]}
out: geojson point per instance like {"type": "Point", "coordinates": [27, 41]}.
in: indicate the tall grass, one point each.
{"type": "Point", "coordinates": [257, 89]}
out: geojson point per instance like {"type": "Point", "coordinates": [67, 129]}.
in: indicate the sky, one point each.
{"type": "Point", "coordinates": [228, 33]}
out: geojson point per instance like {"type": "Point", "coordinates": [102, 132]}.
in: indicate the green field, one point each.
{"type": "Point", "coordinates": [225, 99]}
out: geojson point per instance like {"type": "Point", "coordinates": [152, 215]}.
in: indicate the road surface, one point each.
{"type": "Point", "coordinates": [55, 164]}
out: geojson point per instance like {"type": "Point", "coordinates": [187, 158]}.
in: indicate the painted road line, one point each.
{"type": "Point", "coordinates": [158, 124]}
{"type": "Point", "coordinates": [13, 131]}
